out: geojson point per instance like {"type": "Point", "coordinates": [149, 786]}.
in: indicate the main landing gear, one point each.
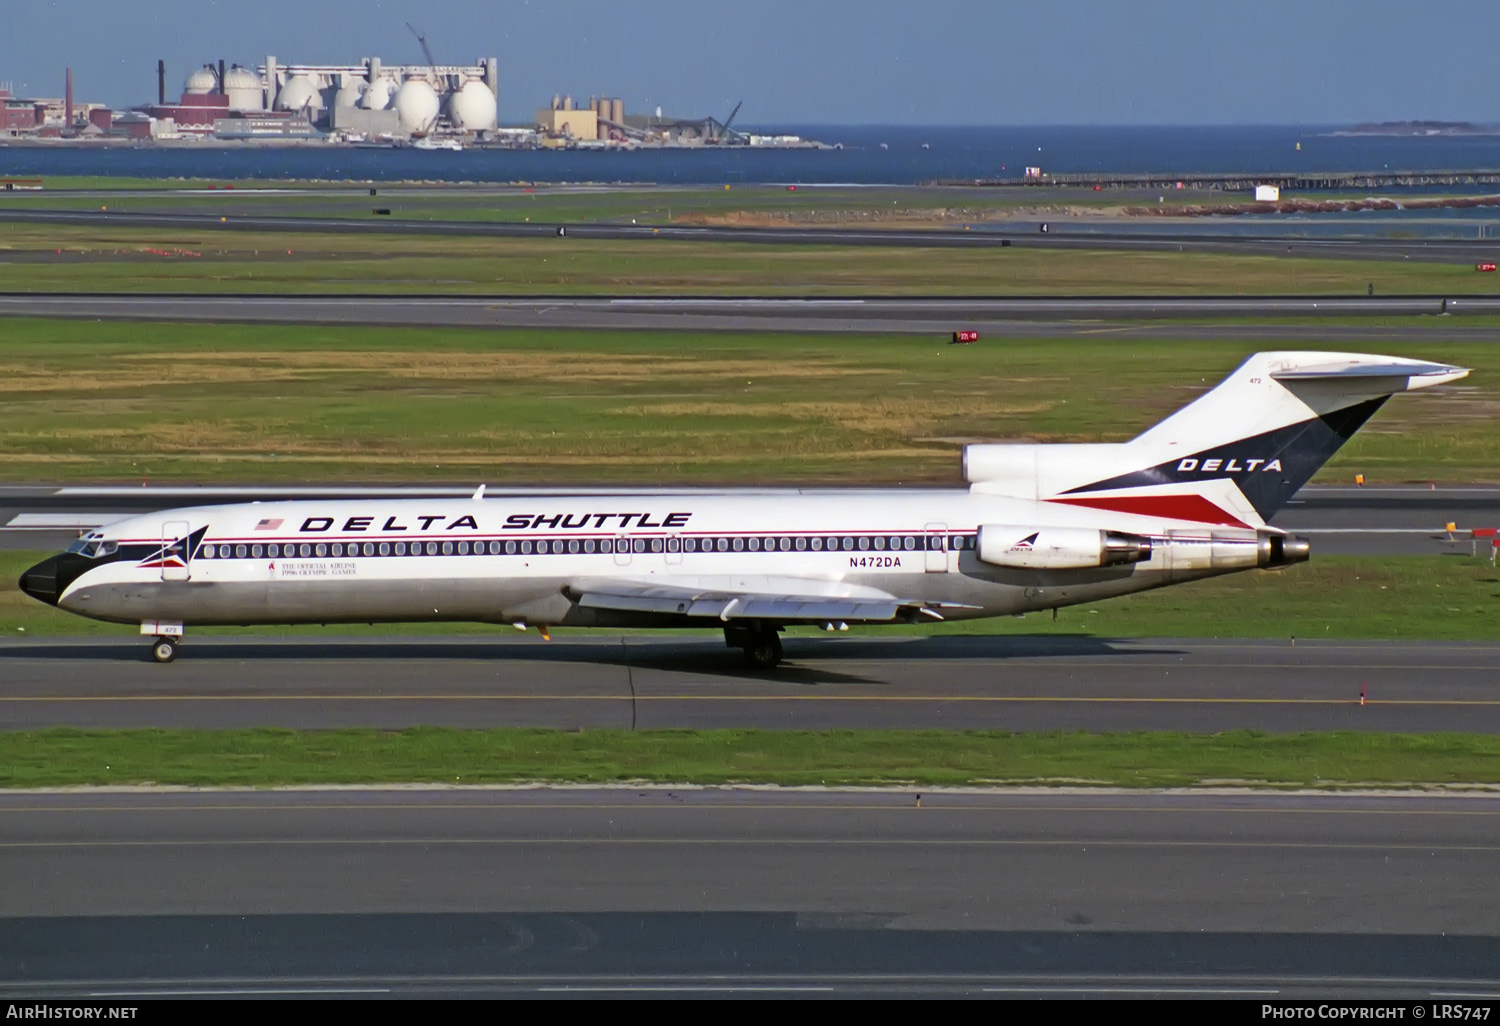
{"type": "Point", "coordinates": [761, 644]}
{"type": "Point", "coordinates": [164, 650]}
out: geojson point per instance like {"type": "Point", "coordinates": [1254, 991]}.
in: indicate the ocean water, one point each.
{"type": "Point", "coordinates": [867, 155]}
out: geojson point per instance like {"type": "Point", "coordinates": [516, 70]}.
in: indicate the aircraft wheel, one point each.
{"type": "Point", "coordinates": [764, 652]}
{"type": "Point", "coordinates": [164, 650]}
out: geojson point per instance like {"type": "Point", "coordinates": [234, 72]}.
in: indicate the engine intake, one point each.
{"type": "Point", "coordinates": [1059, 548]}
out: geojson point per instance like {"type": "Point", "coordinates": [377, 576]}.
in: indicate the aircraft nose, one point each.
{"type": "Point", "coordinates": [44, 582]}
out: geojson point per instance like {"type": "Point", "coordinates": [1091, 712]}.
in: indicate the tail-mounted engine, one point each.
{"type": "Point", "coordinates": [1059, 548]}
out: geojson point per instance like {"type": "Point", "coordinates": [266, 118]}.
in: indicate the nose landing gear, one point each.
{"type": "Point", "coordinates": [166, 637]}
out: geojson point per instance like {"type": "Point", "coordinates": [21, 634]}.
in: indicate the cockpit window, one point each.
{"type": "Point", "coordinates": [93, 548]}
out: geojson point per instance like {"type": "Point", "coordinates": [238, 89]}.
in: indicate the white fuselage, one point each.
{"type": "Point", "coordinates": [521, 560]}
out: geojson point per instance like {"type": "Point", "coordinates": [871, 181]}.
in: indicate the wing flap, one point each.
{"type": "Point", "coordinates": [747, 605]}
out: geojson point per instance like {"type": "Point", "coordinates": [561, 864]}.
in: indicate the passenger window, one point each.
{"type": "Point", "coordinates": [320, 550]}
{"type": "Point", "coordinates": [463, 548]}
{"type": "Point", "coordinates": [655, 544]}
{"type": "Point", "coordinates": [207, 552]}
{"type": "Point", "coordinates": [739, 545]}
{"type": "Point", "coordinates": [239, 551]}
{"type": "Point", "coordinates": [401, 548]}
{"type": "Point", "coordinates": [801, 544]}
{"type": "Point", "coordinates": [723, 545]}
{"type": "Point", "coordinates": [879, 543]}
{"type": "Point", "coordinates": [385, 548]}
{"type": "Point", "coordinates": [510, 548]}
{"type": "Point", "coordinates": [754, 544]}
{"type": "Point", "coordinates": [447, 548]}
{"type": "Point", "coordinates": [255, 551]}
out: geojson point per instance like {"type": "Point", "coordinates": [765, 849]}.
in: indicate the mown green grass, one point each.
{"type": "Point", "coordinates": [267, 757]}
{"type": "Point", "coordinates": [1407, 598]}
{"type": "Point", "coordinates": [135, 402]}
{"type": "Point", "coordinates": [645, 204]}
{"type": "Point", "coordinates": [49, 258]}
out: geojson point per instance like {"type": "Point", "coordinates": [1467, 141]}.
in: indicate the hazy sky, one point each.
{"type": "Point", "coordinates": [827, 61]}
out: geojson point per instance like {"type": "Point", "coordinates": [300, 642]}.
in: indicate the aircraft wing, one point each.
{"type": "Point", "coordinates": [787, 600]}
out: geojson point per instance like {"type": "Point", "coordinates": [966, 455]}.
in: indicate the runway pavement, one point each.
{"type": "Point", "coordinates": [1126, 318]}
{"type": "Point", "coordinates": [736, 892]}
{"type": "Point", "coordinates": [1340, 520]}
{"type": "Point", "coordinates": [1033, 682]}
{"type": "Point", "coordinates": [1058, 236]}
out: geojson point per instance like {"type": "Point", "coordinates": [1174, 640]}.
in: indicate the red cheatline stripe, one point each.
{"type": "Point", "coordinates": [1169, 507]}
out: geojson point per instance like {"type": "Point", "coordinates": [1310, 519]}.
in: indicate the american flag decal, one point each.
{"type": "Point", "coordinates": [268, 525]}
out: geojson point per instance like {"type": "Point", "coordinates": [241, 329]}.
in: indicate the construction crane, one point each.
{"type": "Point", "coordinates": [436, 78]}
{"type": "Point", "coordinates": [721, 132]}
{"type": "Point", "coordinates": [426, 52]}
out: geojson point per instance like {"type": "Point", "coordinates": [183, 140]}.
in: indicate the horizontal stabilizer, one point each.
{"type": "Point", "coordinates": [1425, 374]}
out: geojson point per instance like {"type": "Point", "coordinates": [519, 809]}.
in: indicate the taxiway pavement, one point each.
{"type": "Point", "coordinates": [1029, 682]}
{"type": "Point", "coordinates": [1127, 318]}
{"type": "Point", "coordinates": [688, 892]}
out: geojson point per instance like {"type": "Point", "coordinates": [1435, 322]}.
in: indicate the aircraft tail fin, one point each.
{"type": "Point", "coordinates": [1232, 457]}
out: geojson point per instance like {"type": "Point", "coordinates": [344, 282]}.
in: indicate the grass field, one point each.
{"type": "Point", "coordinates": [1437, 598]}
{"type": "Point", "coordinates": [645, 204]}
{"type": "Point", "coordinates": [130, 402]}
{"type": "Point", "coordinates": [49, 258]}
{"type": "Point", "coordinates": [263, 758]}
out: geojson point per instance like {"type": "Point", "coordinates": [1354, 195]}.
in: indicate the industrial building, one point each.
{"type": "Point", "coordinates": [52, 117]}
{"type": "Point", "coordinates": [603, 121]}
{"type": "Point", "coordinates": [369, 100]}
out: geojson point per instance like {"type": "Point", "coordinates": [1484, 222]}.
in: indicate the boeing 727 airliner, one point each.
{"type": "Point", "coordinates": [1039, 527]}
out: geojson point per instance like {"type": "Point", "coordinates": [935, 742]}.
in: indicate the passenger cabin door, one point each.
{"type": "Point", "coordinates": [174, 551]}
{"type": "Point", "coordinates": [936, 544]}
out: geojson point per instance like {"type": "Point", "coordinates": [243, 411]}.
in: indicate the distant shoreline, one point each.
{"type": "Point", "coordinates": [1415, 130]}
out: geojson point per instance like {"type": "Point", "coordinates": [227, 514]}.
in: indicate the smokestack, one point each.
{"type": "Point", "coordinates": [68, 100]}
{"type": "Point", "coordinates": [271, 84]}
{"type": "Point", "coordinates": [161, 82]}
{"type": "Point", "coordinates": [222, 87]}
